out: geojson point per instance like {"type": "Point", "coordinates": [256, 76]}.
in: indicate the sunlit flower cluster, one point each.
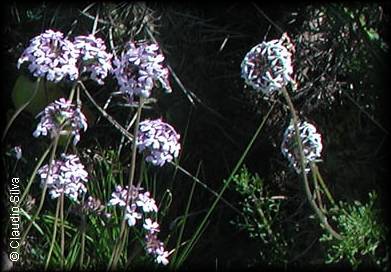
{"type": "Point", "coordinates": [61, 117]}
{"type": "Point", "coordinates": [52, 56]}
{"type": "Point", "coordinates": [94, 58]}
{"type": "Point", "coordinates": [155, 248]}
{"type": "Point", "coordinates": [138, 203]}
{"type": "Point", "coordinates": [141, 204]}
{"type": "Point", "coordinates": [267, 67]}
{"type": "Point", "coordinates": [66, 175]}
{"type": "Point", "coordinates": [159, 141]}
{"type": "Point", "coordinates": [139, 68]}
{"type": "Point", "coordinates": [312, 145]}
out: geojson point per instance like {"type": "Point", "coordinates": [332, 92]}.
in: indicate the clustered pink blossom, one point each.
{"type": "Point", "coordinates": [141, 205]}
{"type": "Point", "coordinates": [52, 56]}
{"type": "Point", "coordinates": [66, 175]}
{"type": "Point", "coordinates": [159, 141]}
{"type": "Point", "coordinates": [94, 58]}
{"type": "Point", "coordinates": [139, 69]}
{"type": "Point", "coordinates": [61, 117]}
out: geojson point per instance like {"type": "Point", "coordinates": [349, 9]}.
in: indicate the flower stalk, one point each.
{"type": "Point", "coordinates": [121, 241]}
{"type": "Point", "coordinates": [319, 213]}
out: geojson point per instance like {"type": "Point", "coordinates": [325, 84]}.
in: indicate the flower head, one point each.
{"type": "Point", "coordinates": [118, 197]}
{"type": "Point", "coordinates": [151, 226]}
{"type": "Point", "coordinates": [52, 56]}
{"type": "Point", "coordinates": [159, 141]}
{"type": "Point", "coordinates": [132, 215]}
{"type": "Point", "coordinates": [267, 67]}
{"type": "Point", "coordinates": [155, 248]}
{"type": "Point", "coordinates": [139, 204]}
{"type": "Point", "coordinates": [312, 145]}
{"type": "Point", "coordinates": [61, 117]}
{"type": "Point", "coordinates": [146, 202]}
{"type": "Point", "coordinates": [66, 175]}
{"type": "Point", "coordinates": [139, 68]}
{"type": "Point", "coordinates": [136, 200]}
{"type": "Point", "coordinates": [93, 57]}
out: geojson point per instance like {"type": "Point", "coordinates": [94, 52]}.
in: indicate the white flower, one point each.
{"type": "Point", "coordinates": [51, 55]}
{"type": "Point", "coordinates": [93, 57]}
{"type": "Point", "coordinates": [132, 216]}
{"type": "Point", "coordinates": [267, 67]}
{"type": "Point", "coordinates": [151, 226]}
{"type": "Point", "coordinates": [159, 141]}
{"type": "Point", "coordinates": [148, 204]}
{"type": "Point", "coordinates": [139, 68]}
{"type": "Point", "coordinates": [311, 141]}
{"type": "Point", "coordinates": [67, 176]}
{"type": "Point", "coordinates": [161, 256]}
{"type": "Point", "coordinates": [61, 114]}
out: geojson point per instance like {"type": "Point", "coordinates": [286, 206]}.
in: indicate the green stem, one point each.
{"type": "Point", "coordinates": [315, 169]}
{"type": "Point", "coordinates": [32, 177]}
{"type": "Point", "coordinates": [317, 192]}
{"type": "Point", "coordinates": [54, 235]}
{"type": "Point", "coordinates": [321, 216]}
{"type": "Point", "coordinates": [43, 194]}
{"type": "Point", "coordinates": [72, 93]}
{"type": "Point", "coordinates": [121, 241]}
{"type": "Point", "coordinates": [62, 230]}
{"type": "Point", "coordinates": [237, 166]}
{"type": "Point", "coordinates": [106, 115]}
{"type": "Point", "coordinates": [83, 237]}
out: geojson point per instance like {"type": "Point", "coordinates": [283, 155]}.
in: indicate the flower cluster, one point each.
{"type": "Point", "coordinates": [66, 175]}
{"type": "Point", "coordinates": [139, 68]}
{"type": "Point", "coordinates": [312, 145]}
{"type": "Point", "coordinates": [155, 248]}
{"type": "Point", "coordinates": [61, 117]}
{"type": "Point", "coordinates": [94, 58]}
{"type": "Point", "coordinates": [52, 56]}
{"type": "Point", "coordinates": [141, 203]}
{"type": "Point", "coordinates": [138, 203]}
{"type": "Point", "coordinates": [159, 141]}
{"type": "Point", "coordinates": [267, 67]}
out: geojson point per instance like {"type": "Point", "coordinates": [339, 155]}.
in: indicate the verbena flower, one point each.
{"type": "Point", "coordinates": [267, 67]}
{"type": "Point", "coordinates": [312, 145]}
{"type": "Point", "coordinates": [93, 57]}
{"type": "Point", "coordinates": [155, 248]}
{"type": "Point", "coordinates": [159, 141]}
{"type": "Point", "coordinates": [139, 203]}
{"type": "Point", "coordinates": [139, 69]}
{"type": "Point", "coordinates": [132, 215]}
{"type": "Point", "coordinates": [61, 117]}
{"type": "Point", "coordinates": [146, 202]}
{"type": "Point", "coordinates": [52, 56]}
{"type": "Point", "coordinates": [151, 226]}
{"type": "Point", "coordinates": [93, 205]}
{"type": "Point", "coordinates": [67, 176]}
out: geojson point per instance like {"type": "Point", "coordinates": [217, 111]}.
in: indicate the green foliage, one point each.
{"type": "Point", "coordinates": [362, 234]}
{"type": "Point", "coordinates": [260, 216]}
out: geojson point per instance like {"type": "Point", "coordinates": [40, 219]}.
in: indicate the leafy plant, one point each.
{"type": "Point", "coordinates": [260, 216]}
{"type": "Point", "coordinates": [362, 231]}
